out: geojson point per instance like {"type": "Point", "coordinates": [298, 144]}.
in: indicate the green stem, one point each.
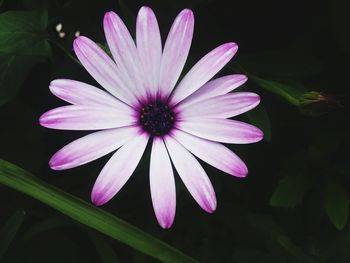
{"type": "Point", "coordinates": [270, 86]}
{"type": "Point", "coordinates": [89, 215]}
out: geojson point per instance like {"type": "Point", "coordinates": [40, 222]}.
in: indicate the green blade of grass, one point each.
{"type": "Point", "coordinates": [89, 215]}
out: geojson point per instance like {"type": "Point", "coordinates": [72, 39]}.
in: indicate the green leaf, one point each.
{"type": "Point", "coordinates": [24, 33]}
{"type": "Point", "coordinates": [336, 204]}
{"type": "Point", "coordinates": [260, 118]}
{"type": "Point", "coordinates": [104, 249]}
{"type": "Point", "coordinates": [9, 231]}
{"type": "Point", "coordinates": [13, 71]}
{"type": "Point", "coordinates": [89, 215]}
{"type": "Point", "coordinates": [290, 191]}
{"type": "Point", "coordinates": [290, 92]}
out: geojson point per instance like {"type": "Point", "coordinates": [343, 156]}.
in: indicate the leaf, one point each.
{"type": "Point", "coordinates": [336, 204]}
{"type": "Point", "coordinates": [89, 215]}
{"type": "Point", "coordinates": [9, 230]}
{"type": "Point", "coordinates": [24, 33]}
{"type": "Point", "coordinates": [104, 249]}
{"type": "Point", "coordinates": [13, 71]}
{"type": "Point", "coordinates": [290, 92]}
{"type": "Point", "coordinates": [260, 118]}
{"type": "Point", "coordinates": [290, 191]}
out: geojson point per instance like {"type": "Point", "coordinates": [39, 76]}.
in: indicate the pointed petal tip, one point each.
{"type": "Point", "coordinates": [43, 120]}
{"type": "Point", "coordinates": [186, 15]}
{"type": "Point", "coordinates": [57, 162]}
{"type": "Point", "coordinates": [98, 198]}
{"type": "Point", "coordinates": [53, 89]}
{"type": "Point", "coordinates": [109, 15]}
{"type": "Point", "coordinates": [210, 207]}
{"type": "Point", "coordinates": [259, 135]}
{"type": "Point", "coordinates": [257, 99]}
{"type": "Point", "coordinates": [239, 78]}
{"type": "Point", "coordinates": [145, 9]}
{"type": "Point", "coordinates": [166, 223]}
{"type": "Point", "coordinates": [186, 12]}
{"type": "Point", "coordinates": [231, 48]}
{"type": "Point", "coordinates": [241, 172]}
{"type": "Point", "coordinates": [81, 41]}
{"type": "Point", "coordinates": [53, 163]}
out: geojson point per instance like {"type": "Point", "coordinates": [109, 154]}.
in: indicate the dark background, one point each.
{"type": "Point", "coordinates": [292, 207]}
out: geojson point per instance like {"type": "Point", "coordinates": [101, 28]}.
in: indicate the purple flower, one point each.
{"type": "Point", "coordinates": [143, 104]}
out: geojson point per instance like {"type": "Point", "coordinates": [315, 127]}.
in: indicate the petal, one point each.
{"type": "Point", "coordinates": [79, 93]}
{"type": "Point", "coordinates": [162, 184]}
{"type": "Point", "coordinates": [90, 148]}
{"type": "Point", "coordinates": [213, 153]}
{"type": "Point", "coordinates": [77, 117]}
{"type": "Point", "coordinates": [224, 106]}
{"type": "Point", "coordinates": [118, 170]}
{"type": "Point", "coordinates": [176, 50]}
{"type": "Point", "coordinates": [102, 68]}
{"type": "Point", "coordinates": [124, 52]}
{"type": "Point", "coordinates": [192, 174]}
{"type": "Point", "coordinates": [149, 46]}
{"type": "Point", "coordinates": [203, 71]}
{"type": "Point", "coordinates": [221, 130]}
{"type": "Point", "coordinates": [216, 87]}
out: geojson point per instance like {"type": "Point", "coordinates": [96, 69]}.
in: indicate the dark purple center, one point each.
{"type": "Point", "coordinates": [157, 118]}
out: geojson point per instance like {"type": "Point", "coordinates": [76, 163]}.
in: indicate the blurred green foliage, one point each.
{"type": "Point", "coordinates": [293, 206]}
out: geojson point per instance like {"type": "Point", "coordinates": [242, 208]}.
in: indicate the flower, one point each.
{"type": "Point", "coordinates": [142, 104]}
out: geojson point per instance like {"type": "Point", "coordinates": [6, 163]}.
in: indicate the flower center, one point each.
{"type": "Point", "coordinates": [157, 118]}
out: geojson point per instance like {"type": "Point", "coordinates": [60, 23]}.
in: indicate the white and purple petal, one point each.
{"type": "Point", "coordinates": [102, 68]}
{"type": "Point", "coordinates": [175, 52]}
{"type": "Point", "coordinates": [203, 71]}
{"type": "Point", "coordinates": [162, 184]}
{"type": "Point", "coordinates": [223, 106]}
{"type": "Point", "coordinates": [118, 169]}
{"type": "Point", "coordinates": [123, 49]}
{"type": "Point", "coordinates": [91, 147]}
{"type": "Point", "coordinates": [221, 130]}
{"type": "Point", "coordinates": [90, 117]}
{"type": "Point", "coordinates": [216, 87]}
{"type": "Point", "coordinates": [80, 93]}
{"type": "Point", "coordinates": [213, 153]}
{"type": "Point", "coordinates": [149, 47]}
{"type": "Point", "coordinates": [192, 174]}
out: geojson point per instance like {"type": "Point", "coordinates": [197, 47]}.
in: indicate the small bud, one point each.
{"type": "Point", "coordinates": [61, 34]}
{"type": "Point", "coordinates": [77, 33]}
{"type": "Point", "coordinates": [315, 103]}
{"type": "Point", "coordinates": [59, 27]}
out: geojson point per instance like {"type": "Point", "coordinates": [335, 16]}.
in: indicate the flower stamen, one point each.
{"type": "Point", "coordinates": [157, 118]}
